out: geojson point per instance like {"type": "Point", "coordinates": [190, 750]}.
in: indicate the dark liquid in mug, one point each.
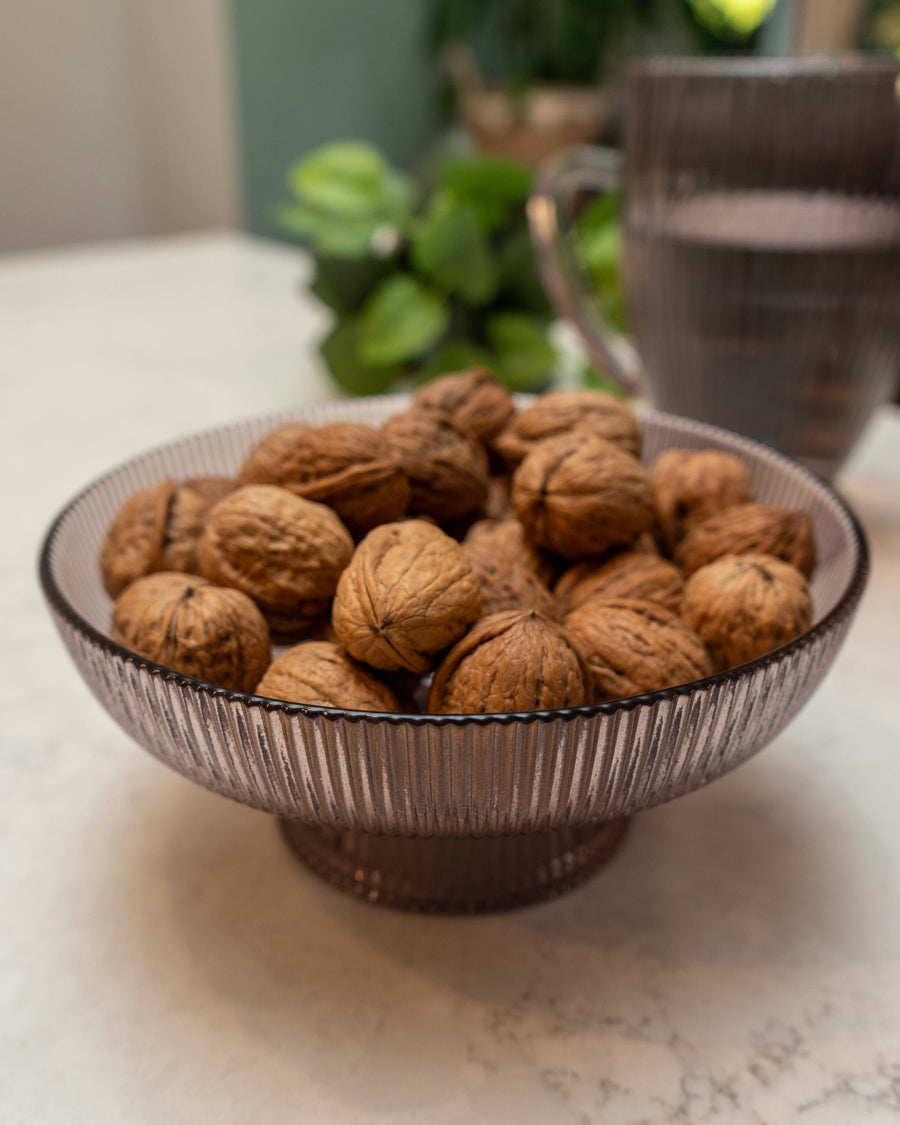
{"type": "Point", "coordinates": [745, 301]}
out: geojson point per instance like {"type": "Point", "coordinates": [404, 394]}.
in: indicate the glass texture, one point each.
{"type": "Point", "coordinates": [360, 777]}
{"type": "Point", "coordinates": [761, 234]}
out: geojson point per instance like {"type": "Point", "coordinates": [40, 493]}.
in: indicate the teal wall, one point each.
{"type": "Point", "coordinates": [310, 71]}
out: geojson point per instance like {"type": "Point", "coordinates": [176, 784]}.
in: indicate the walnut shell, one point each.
{"type": "Point", "coordinates": [514, 661]}
{"type": "Point", "coordinates": [447, 469]}
{"type": "Point", "coordinates": [189, 625]}
{"type": "Point", "coordinates": [559, 412]}
{"type": "Point", "coordinates": [498, 504]}
{"type": "Point", "coordinates": [631, 574]}
{"type": "Point", "coordinates": [212, 489]}
{"type": "Point", "coordinates": [187, 513]}
{"type": "Point", "coordinates": [472, 400]}
{"type": "Point", "coordinates": [506, 539]}
{"type": "Point", "coordinates": [348, 466]}
{"type": "Point", "coordinates": [134, 542]}
{"type": "Point", "coordinates": [323, 675]}
{"type": "Point", "coordinates": [508, 583]}
{"type": "Point", "coordinates": [285, 552]}
{"type": "Point", "coordinates": [280, 457]}
{"type": "Point", "coordinates": [407, 593]}
{"type": "Point", "coordinates": [646, 544]}
{"type": "Point", "coordinates": [691, 484]}
{"type": "Point", "coordinates": [579, 495]}
{"type": "Point", "coordinates": [744, 606]}
{"type": "Point", "coordinates": [633, 647]}
{"type": "Point", "coordinates": [157, 528]}
{"type": "Point", "coordinates": [750, 529]}
{"type": "Point", "coordinates": [142, 593]}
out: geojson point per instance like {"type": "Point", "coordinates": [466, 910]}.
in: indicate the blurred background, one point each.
{"type": "Point", "coordinates": [400, 143]}
{"type": "Point", "coordinates": [156, 116]}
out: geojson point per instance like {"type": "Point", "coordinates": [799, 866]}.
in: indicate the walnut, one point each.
{"type": "Point", "coordinates": [283, 551]}
{"type": "Point", "coordinates": [323, 675]}
{"type": "Point", "coordinates": [559, 412]}
{"type": "Point", "coordinates": [212, 489]}
{"type": "Point", "coordinates": [646, 544]}
{"type": "Point", "coordinates": [744, 606]}
{"type": "Point", "coordinates": [634, 647]}
{"type": "Point", "coordinates": [631, 574]}
{"type": "Point", "coordinates": [507, 583]}
{"type": "Point", "coordinates": [506, 539]}
{"type": "Point", "coordinates": [579, 495]}
{"type": "Point", "coordinates": [188, 509]}
{"type": "Point", "coordinates": [348, 466]}
{"type": "Point", "coordinates": [472, 400]}
{"type": "Point", "coordinates": [134, 541]}
{"type": "Point", "coordinates": [750, 529]}
{"type": "Point", "coordinates": [280, 457]}
{"type": "Point", "coordinates": [691, 484]}
{"type": "Point", "coordinates": [184, 526]}
{"type": "Point", "coordinates": [447, 469]}
{"type": "Point", "coordinates": [185, 623]}
{"type": "Point", "coordinates": [156, 529]}
{"type": "Point", "coordinates": [514, 661]}
{"type": "Point", "coordinates": [497, 505]}
{"type": "Point", "coordinates": [142, 593]}
{"type": "Point", "coordinates": [407, 593]}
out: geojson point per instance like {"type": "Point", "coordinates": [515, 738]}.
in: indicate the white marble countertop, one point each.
{"type": "Point", "coordinates": [164, 959]}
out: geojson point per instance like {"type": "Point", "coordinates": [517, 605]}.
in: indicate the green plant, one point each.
{"type": "Point", "coordinates": [727, 25]}
{"type": "Point", "coordinates": [422, 279]}
{"type": "Point", "coordinates": [600, 251]}
{"type": "Point", "coordinates": [531, 41]}
{"type": "Point", "coordinates": [880, 28]}
{"type": "Point", "coordinates": [599, 242]}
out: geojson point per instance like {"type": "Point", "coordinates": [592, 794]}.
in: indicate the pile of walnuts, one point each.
{"type": "Point", "coordinates": [467, 557]}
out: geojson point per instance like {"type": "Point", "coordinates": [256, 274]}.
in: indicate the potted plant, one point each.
{"type": "Point", "coordinates": [423, 278]}
{"type": "Point", "coordinates": [546, 63]}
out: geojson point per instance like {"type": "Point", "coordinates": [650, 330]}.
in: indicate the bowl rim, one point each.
{"type": "Point", "coordinates": [844, 606]}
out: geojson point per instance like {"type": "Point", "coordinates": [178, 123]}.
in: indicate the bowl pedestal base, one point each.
{"type": "Point", "coordinates": [455, 875]}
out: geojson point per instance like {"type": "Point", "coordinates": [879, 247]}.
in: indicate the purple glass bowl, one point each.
{"type": "Point", "coordinates": [439, 812]}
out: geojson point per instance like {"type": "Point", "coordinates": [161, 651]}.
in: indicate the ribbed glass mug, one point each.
{"type": "Point", "coordinates": [761, 235]}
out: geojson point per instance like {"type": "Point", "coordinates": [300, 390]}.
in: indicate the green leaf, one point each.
{"type": "Point", "coordinates": [731, 19]}
{"type": "Point", "coordinates": [348, 200]}
{"type": "Point", "coordinates": [520, 279]}
{"type": "Point", "coordinates": [327, 235]}
{"type": "Point", "coordinates": [348, 179]}
{"type": "Point", "coordinates": [456, 355]}
{"type": "Point", "coordinates": [341, 352]}
{"type": "Point", "coordinates": [599, 381]}
{"type": "Point", "coordinates": [400, 320]}
{"type": "Point", "coordinates": [525, 357]}
{"type": "Point", "coordinates": [600, 251]}
{"type": "Point", "coordinates": [600, 210]}
{"type": "Point", "coordinates": [344, 283]}
{"type": "Point", "coordinates": [398, 199]}
{"type": "Point", "coordinates": [493, 188]}
{"type": "Point", "coordinates": [451, 248]}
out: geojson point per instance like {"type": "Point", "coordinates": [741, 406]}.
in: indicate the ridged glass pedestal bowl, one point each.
{"type": "Point", "coordinates": [435, 812]}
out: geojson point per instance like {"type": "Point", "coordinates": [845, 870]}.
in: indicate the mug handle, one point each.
{"type": "Point", "coordinates": [564, 276]}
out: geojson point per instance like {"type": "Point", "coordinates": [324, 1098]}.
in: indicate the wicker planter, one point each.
{"type": "Point", "coordinates": [527, 126]}
{"type": "Point", "coordinates": [537, 124]}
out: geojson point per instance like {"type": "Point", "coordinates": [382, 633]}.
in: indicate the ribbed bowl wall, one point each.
{"type": "Point", "coordinates": [439, 775]}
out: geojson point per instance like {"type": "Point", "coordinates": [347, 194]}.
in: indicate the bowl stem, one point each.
{"type": "Point", "coordinates": [455, 875]}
